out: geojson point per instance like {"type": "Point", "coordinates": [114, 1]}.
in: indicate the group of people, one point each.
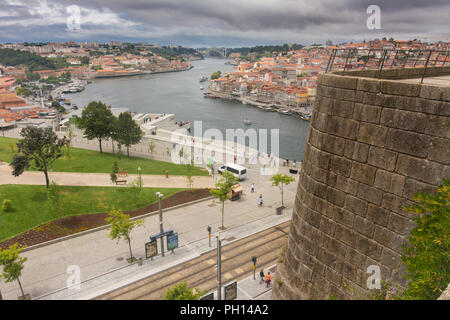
{"type": "Point", "coordinates": [265, 277]}
{"type": "Point", "coordinates": [286, 163]}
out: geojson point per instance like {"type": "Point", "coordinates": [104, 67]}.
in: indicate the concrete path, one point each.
{"type": "Point", "coordinates": [95, 254]}
{"type": "Point", "coordinates": [99, 179]}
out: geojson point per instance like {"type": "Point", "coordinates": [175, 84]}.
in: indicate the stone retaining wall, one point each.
{"type": "Point", "coordinates": [372, 144]}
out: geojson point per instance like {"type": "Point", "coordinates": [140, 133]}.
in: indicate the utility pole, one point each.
{"type": "Point", "coordinates": [219, 269]}
{"type": "Point", "coordinates": [161, 229]}
{"type": "Point", "coordinates": [209, 235]}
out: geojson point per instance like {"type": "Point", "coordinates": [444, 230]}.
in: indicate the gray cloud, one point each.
{"type": "Point", "coordinates": [223, 22]}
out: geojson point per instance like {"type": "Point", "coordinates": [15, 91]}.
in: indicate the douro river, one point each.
{"type": "Point", "coordinates": [180, 93]}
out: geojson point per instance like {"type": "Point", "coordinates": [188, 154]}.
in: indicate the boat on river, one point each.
{"type": "Point", "coordinates": [209, 95]}
{"type": "Point", "coordinates": [306, 117]}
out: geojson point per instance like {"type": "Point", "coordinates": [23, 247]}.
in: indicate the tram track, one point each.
{"type": "Point", "coordinates": [201, 272]}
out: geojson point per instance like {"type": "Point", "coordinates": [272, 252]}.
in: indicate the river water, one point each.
{"type": "Point", "coordinates": [179, 93]}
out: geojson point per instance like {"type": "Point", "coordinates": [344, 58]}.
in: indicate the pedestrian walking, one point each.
{"type": "Point", "coordinates": [260, 200]}
{"type": "Point", "coordinates": [252, 188]}
{"type": "Point", "coordinates": [268, 278]}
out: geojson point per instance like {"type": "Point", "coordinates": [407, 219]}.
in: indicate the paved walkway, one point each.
{"type": "Point", "coordinates": [46, 268]}
{"type": "Point", "coordinates": [99, 179]}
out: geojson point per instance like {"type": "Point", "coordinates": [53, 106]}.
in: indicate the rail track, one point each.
{"type": "Point", "coordinates": [201, 272]}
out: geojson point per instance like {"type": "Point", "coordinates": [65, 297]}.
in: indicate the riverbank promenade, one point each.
{"type": "Point", "coordinates": [45, 274]}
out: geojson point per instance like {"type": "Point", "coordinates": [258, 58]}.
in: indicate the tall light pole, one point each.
{"type": "Point", "coordinates": [219, 268]}
{"type": "Point", "coordinates": [161, 229]}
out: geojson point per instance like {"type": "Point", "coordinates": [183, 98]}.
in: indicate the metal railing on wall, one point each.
{"type": "Point", "coordinates": [382, 59]}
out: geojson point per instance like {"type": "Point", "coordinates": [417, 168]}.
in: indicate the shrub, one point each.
{"type": "Point", "coordinates": [7, 205]}
{"type": "Point", "coordinates": [427, 255]}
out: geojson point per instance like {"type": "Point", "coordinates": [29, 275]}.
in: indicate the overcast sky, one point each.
{"type": "Point", "coordinates": [197, 23]}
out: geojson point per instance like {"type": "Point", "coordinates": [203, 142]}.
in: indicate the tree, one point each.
{"type": "Point", "coordinates": [21, 91]}
{"type": "Point", "coordinates": [96, 121]}
{"type": "Point", "coordinates": [427, 255]}
{"type": "Point", "coordinates": [114, 134]}
{"type": "Point", "coordinates": [279, 180]}
{"type": "Point", "coordinates": [84, 60]}
{"type": "Point", "coordinates": [128, 131]}
{"type": "Point", "coordinates": [39, 147]}
{"type": "Point", "coordinates": [71, 135]}
{"type": "Point", "coordinates": [181, 291]}
{"type": "Point", "coordinates": [121, 227]}
{"type": "Point", "coordinates": [135, 187]}
{"type": "Point", "coordinates": [216, 75]}
{"type": "Point", "coordinates": [189, 173]}
{"type": "Point", "coordinates": [151, 147]}
{"type": "Point", "coordinates": [12, 264]}
{"type": "Point", "coordinates": [222, 189]}
{"type": "Point", "coordinates": [56, 105]}
{"type": "Point", "coordinates": [114, 171]}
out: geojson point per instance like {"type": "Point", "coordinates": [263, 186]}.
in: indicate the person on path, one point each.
{"type": "Point", "coordinates": [252, 188]}
{"type": "Point", "coordinates": [260, 200]}
{"type": "Point", "coordinates": [268, 276]}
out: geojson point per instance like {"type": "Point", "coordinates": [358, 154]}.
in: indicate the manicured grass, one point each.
{"type": "Point", "coordinates": [31, 207]}
{"type": "Point", "coordinates": [93, 161]}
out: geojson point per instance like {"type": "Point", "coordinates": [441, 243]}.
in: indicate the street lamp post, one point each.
{"type": "Point", "coordinates": [161, 229]}
{"type": "Point", "coordinates": [219, 268]}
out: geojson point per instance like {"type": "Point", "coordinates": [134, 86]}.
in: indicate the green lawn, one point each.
{"type": "Point", "coordinates": [31, 207]}
{"type": "Point", "coordinates": [93, 161]}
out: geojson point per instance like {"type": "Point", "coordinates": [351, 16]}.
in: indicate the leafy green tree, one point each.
{"type": "Point", "coordinates": [115, 134]}
{"type": "Point", "coordinates": [135, 188]}
{"type": "Point", "coordinates": [84, 60]}
{"type": "Point", "coordinates": [181, 291]}
{"type": "Point", "coordinates": [216, 75]}
{"type": "Point", "coordinates": [39, 147]}
{"type": "Point", "coordinates": [12, 264]}
{"type": "Point", "coordinates": [128, 131]}
{"type": "Point", "coordinates": [32, 76]}
{"type": "Point", "coordinates": [21, 91]}
{"type": "Point", "coordinates": [280, 180]}
{"type": "Point", "coordinates": [427, 256]}
{"type": "Point", "coordinates": [189, 173]}
{"type": "Point", "coordinates": [223, 187]}
{"type": "Point", "coordinates": [114, 171]}
{"type": "Point", "coordinates": [151, 147]}
{"type": "Point", "coordinates": [56, 105]}
{"type": "Point", "coordinates": [96, 120]}
{"type": "Point", "coordinates": [121, 227]}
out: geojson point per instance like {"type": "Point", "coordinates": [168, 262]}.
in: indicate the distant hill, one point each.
{"type": "Point", "coordinates": [14, 58]}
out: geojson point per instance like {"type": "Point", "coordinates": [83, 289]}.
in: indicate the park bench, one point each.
{"type": "Point", "coordinates": [121, 182]}
{"type": "Point", "coordinates": [122, 174]}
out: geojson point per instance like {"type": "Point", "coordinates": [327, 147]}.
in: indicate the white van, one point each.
{"type": "Point", "coordinates": [238, 171]}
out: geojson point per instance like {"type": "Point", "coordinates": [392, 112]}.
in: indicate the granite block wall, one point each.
{"type": "Point", "coordinates": [372, 144]}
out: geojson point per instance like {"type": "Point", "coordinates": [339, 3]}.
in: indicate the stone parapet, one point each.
{"type": "Point", "coordinates": [372, 144]}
